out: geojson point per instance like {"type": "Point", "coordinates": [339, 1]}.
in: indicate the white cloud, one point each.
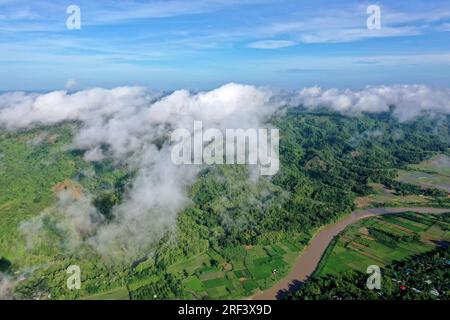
{"type": "Point", "coordinates": [347, 23]}
{"type": "Point", "coordinates": [410, 101]}
{"type": "Point", "coordinates": [94, 154]}
{"type": "Point", "coordinates": [71, 84]}
{"type": "Point", "coordinates": [271, 44]}
{"type": "Point", "coordinates": [73, 215]}
{"type": "Point", "coordinates": [354, 34]}
{"type": "Point", "coordinates": [445, 27]}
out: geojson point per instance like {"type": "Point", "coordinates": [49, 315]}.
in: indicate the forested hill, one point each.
{"type": "Point", "coordinates": [243, 230]}
{"type": "Point", "coordinates": [326, 160]}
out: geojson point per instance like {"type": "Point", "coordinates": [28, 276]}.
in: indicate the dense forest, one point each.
{"type": "Point", "coordinates": [327, 160]}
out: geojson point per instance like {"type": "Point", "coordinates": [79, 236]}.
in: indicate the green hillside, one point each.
{"type": "Point", "coordinates": [237, 236]}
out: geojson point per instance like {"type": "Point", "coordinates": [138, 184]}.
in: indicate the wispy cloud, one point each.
{"type": "Point", "coordinates": [303, 70]}
{"type": "Point", "coordinates": [210, 36]}
{"type": "Point", "coordinates": [445, 27]}
{"type": "Point", "coordinates": [271, 44]}
{"type": "Point", "coordinates": [367, 61]}
{"type": "Point", "coordinates": [355, 34]}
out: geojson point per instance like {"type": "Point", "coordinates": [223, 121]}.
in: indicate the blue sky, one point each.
{"type": "Point", "coordinates": [201, 44]}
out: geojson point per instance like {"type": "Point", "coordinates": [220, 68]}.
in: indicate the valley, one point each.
{"type": "Point", "coordinates": [238, 237]}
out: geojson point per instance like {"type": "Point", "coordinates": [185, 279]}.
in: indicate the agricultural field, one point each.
{"type": "Point", "coordinates": [383, 240]}
{"type": "Point", "coordinates": [433, 173]}
{"type": "Point", "coordinates": [420, 277]}
{"type": "Point", "coordinates": [439, 164]}
{"type": "Point", "coordinates": [239, 271]}
{"type": "Point", "coordinates": [382, 196]}
{"type": "Point", "coordinates": [424, 184]}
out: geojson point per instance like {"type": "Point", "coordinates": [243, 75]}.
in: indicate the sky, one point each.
{"type": "Point", "coordinates": [202, 44]}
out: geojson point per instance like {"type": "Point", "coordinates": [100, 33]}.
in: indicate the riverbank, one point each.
{"type": "Point", "coordinates": [310, 257]}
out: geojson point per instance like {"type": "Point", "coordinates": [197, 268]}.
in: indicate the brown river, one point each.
{"type": "Point", "coordinates": [310, 257]}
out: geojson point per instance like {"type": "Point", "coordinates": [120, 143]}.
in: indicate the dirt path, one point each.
{"type": "Point", "coordinates": [310, 257]}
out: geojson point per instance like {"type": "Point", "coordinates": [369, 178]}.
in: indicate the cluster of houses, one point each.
{"type": "Point", "coordinates": [433, 291]}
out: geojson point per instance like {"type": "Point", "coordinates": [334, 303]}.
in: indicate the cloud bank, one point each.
{"type": "Point", "coordinates": [135, 123]}
{"type": "Point", "coordinates": [409, 101]}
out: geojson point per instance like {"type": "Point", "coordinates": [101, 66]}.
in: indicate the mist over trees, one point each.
{"type": "Point", "coordinates": [141, 211]}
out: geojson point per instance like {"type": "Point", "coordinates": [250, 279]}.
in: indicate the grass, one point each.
{"type": "Point", "coordinates": [433, 173]}
{"type": "Point", "coordinates": [212, 275]}
{"type": "Point", "coordinates": [193, 283]}
{"type": "Point", "coordinates": [217, 282]}
{"type": "Point", "coordinates": [405, 223]}
{"type": "Point", "coordinates": [426, 180]}
{"type": "Point", "coordinates": [439, 164]}
{"type": "Point", "coordinates": [385, 197]}
{"type": "Point", "coordinates": [191, 264]}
